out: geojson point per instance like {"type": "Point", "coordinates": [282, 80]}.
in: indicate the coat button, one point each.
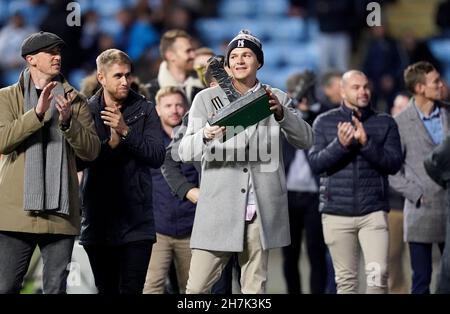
{"type": "Point", "coordinates": [243, 190]}
{"type": "Point", "coordinates": [245, 170]}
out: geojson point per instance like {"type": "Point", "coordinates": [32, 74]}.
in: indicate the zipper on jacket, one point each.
{"type": "Point", "coordinates": [355, 186]}
{"type": "Point", "coordinates": [135, 117]}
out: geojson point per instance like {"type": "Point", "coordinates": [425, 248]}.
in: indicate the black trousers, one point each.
{"type": "Point", "coordinates": [120, 269]}
{"type": "Point", "coordinates": [422, 266]}
{"type": "Point", "coordinates": [304, 214]}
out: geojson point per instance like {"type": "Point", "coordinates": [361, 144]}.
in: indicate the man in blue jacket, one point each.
{"type": "Point", "coordinates": [354, 151]}
{"type": "Point", "coordinates": [117, 223]}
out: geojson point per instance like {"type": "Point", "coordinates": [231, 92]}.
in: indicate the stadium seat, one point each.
{"type": "Point", "coordinates": [236, 8]}
{"type": "Point", "coordinates": [269, 8]}
{"type": "Point", "coordinates": [440, 48]}
{"type": "Point", "coordinates": [303, 55]}
{"type": "Point", "coordinates": [290, 29]}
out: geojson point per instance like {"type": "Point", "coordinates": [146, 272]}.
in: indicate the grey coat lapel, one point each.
{"type": "Point", "coordinates": [417, 128]}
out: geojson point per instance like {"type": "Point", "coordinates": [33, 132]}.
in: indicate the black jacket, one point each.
{"type": "Point", "coordinates": [116, 191]}
{"type": "Point", "coordinates": [171, 169]}
{"type": "Point", "coordinates": [354, 180]}
{"type": "Point", "coordinates": [437, 164]}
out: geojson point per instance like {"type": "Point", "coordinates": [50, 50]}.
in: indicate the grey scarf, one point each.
{"type": "Point", "coordinates": [46, 186]}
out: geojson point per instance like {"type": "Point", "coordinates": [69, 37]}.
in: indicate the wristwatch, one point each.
{"type": "Point", "coordinates": [125, 133]}
{"type": "Point", "coordinates": [65, 125]}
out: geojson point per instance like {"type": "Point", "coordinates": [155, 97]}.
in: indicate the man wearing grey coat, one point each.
{"type": "Point", "coordinates": [422, 126]}
{"type": "Point", "coordinates": [243, 197]}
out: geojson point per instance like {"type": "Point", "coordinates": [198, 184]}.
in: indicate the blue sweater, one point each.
{"type": "Point", "coordinates": [173, 217]}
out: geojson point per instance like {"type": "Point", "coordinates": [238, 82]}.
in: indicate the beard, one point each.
{"type": "Point", "coordinates": [189, 66]}
{"type": "Point", "coordinates": [172, 121]}
{"type": "Point", "coordinates": [119, 95]}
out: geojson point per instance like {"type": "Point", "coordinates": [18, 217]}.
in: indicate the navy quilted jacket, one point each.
{"type": "Point", "coordinates": [353, 180]}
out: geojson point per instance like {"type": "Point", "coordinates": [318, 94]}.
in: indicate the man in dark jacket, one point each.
{"type": "Point", "coordinates": [118, 226]}
{"type": "Point", "coordinates": [437, 166]}
{"type": "Point", "coordinates": [355, 150]}
{"type": "Point", "coordinates": [303, 196]}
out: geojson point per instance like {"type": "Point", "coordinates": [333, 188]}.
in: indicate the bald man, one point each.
{"type": "Point", "coordinates": [354, 151]}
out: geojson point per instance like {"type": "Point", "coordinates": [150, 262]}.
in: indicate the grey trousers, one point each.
{"type": "Point", "coordinates": [16, 250]}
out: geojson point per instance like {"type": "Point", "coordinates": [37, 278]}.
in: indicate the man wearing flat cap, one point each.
{"type": "Point", "coordinates": [243, 197]}
{"type": "Point", "coordinates": [44, 125]}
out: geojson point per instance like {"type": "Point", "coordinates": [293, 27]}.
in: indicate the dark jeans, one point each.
{"type": "Point", "coordinates": [422, 266]}
{"type": "Point", "coordinates": [16, 249]}
{"type": "Point", "coordinates": [120, 269]}
{"type": "Point", "coordinates": [304, 214]}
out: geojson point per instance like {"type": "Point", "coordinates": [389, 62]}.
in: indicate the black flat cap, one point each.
{"type": "Point", "coordinates": [40, 41]}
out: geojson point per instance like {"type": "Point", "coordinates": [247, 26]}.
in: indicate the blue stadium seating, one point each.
{"type": "Point", "coordinates": [440, 48]}
{"type": "Point", "coordinates": [290, 29]}
{"type": "Point", "coordinates": [269, 8]}
{"type": "Point", "coordinates": [237, 8]}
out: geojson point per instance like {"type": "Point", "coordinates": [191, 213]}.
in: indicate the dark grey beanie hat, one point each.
{"type": "Point", "coordinates": [246, 40]}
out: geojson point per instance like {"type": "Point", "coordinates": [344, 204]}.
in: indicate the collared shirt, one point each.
{"type": "Point", "coordinates": [255, 87]}
{"type": "Point", "coordinates": [300, 177]}
{"type": "Point", "coordinates": [251, 199]}
{"type": "Point", "coordinates": [433, 124]}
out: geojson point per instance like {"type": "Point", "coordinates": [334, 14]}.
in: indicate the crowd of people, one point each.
{"type": "Point", "coordinates": [164, 201]}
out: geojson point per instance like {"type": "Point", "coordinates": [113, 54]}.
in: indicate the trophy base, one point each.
{"type": "Point", "coordinates": [242, 113]}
